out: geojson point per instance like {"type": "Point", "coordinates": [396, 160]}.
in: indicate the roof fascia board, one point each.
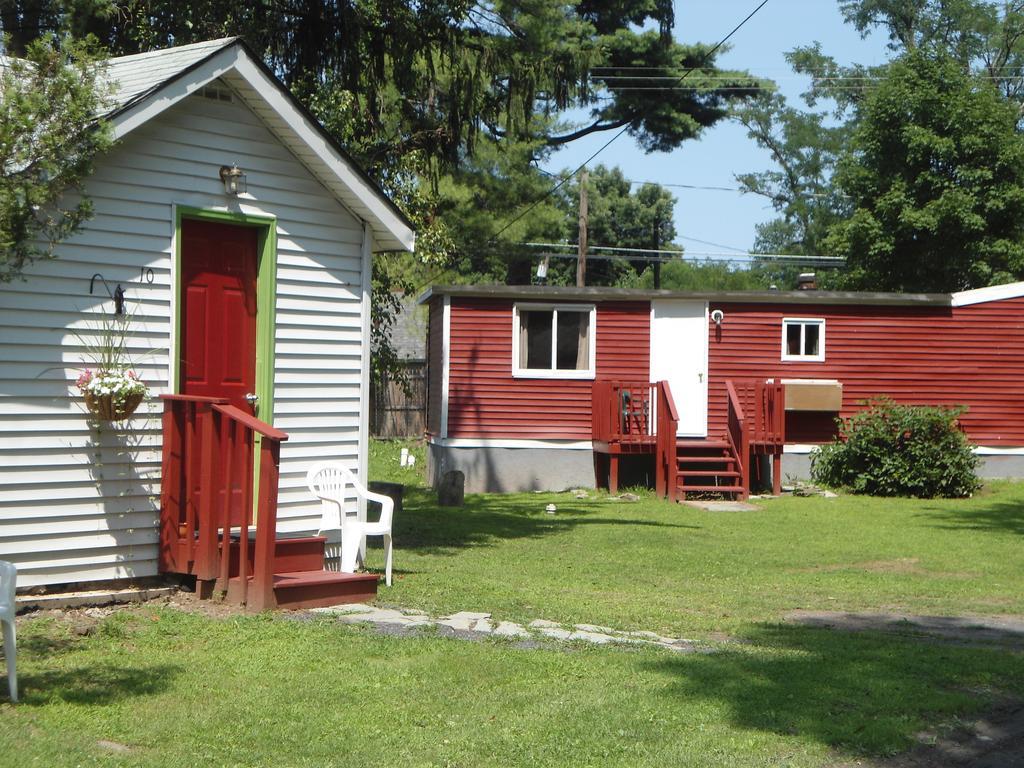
{"type": "Point", "coordinates": [389, 218]}
{"type": "Point", "coordinates": [807, 299]}
{"type": "Point", "coordinates": [385, 219]}
{"type": "Point", "coordinates": [991, 293]}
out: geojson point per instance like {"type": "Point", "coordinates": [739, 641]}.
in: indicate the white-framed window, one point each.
{"type": "Point", "coordinates": [803, 339]}
{"type": "Point", "coordinates": [554, 341]}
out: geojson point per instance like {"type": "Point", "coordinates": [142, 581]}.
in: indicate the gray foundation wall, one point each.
{"type": "Point", "coordinates": [509, 470]}
{"type": "Point", "coordinates": [797, 466]}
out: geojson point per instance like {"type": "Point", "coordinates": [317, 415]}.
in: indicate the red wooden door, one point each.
{"type": "Point", "coordinates": [218, 330]}
{"type": "Point", "coordinates": [218, 305]}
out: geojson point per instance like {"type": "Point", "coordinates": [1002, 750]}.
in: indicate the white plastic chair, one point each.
{"type": "Point", "coordinates": [329, 481]}
{"type": "Point", "coordinates": [8, 584]}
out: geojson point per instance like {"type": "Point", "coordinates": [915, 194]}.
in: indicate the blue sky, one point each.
{"type": "Point", "coordinates": [728, 218]}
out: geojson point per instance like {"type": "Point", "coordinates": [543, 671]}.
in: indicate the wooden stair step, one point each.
{"type": "Point", "coordinates": [702, 445]}
{"type": "Point", "coordinates": [705, 459]}
{"type": "Point", "coordinates": [710, 488]}
{"type": "Point", "coordinates": [708, 473]}
{"type": "Point", "coordinates": [313, 589]}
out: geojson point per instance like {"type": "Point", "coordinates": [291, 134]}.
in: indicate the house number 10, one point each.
{"type": "Point", "coordinates": [146, 274]}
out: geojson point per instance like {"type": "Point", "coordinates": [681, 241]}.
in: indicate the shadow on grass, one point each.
{"type": "Point", "coordinates": [432, 529]}
{"type": "Point", "coordinates": [41, 646]}
{"type": "Point", "coordinates": [867, 694]}
{"type": "Point", "coordinates": [95, 683]}
{"type": "Point", "coordinates": [995, 516]}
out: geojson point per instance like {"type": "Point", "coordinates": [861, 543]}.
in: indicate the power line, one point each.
{"type": "Point", "coordinates": [706, 257]}
{"type": "Point", "coordinates": [626, 127]}
{"type": "Point", "coordinates": [836, 260]}
{"type": "Point", "coordinates": [708, 242]}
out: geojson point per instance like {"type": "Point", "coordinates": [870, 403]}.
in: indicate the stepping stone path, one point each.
{"type": "Point", "coordinates": [483, 624]}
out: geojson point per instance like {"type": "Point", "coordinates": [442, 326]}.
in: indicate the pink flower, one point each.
{"type": "Point", "coordinates": [84, 379]}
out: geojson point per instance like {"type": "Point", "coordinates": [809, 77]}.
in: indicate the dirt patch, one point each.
{"type": "Point", "coordinates": [994, 741]}
{"type": "Point", "coordinates": [1003, 631]}
{"type": "Point", "coordinates": [902, 565]}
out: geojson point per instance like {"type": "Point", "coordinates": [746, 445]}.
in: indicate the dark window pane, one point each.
{"type": "Point", "coordinates": [812, 332]}
{"type": "Point", "coordinates": [537, 328]}
{"type": "Point", "coordinates": [573, 346]}
{"type": "Point", "coordinates": [793, 339]}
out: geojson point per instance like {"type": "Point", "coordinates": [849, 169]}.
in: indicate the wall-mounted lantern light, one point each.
{"type": "Point", "coordinates": [717, 316]}
{"type": "Point", "coordinates": [234, 180]}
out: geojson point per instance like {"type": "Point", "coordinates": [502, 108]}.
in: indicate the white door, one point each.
{"type": "Point", "coordinates": [679, 355]}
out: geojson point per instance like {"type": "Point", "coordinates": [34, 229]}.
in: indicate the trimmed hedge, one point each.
{"type": "Point", "coordinates": [899, 450]}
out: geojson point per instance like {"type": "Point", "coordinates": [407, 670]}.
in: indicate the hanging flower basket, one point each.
{"type": "Point", "coordinates": [112, 395]}
{"type": "Point", "coordinates": [105, 407]}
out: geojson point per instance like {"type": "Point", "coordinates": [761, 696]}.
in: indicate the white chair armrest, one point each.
{"type": "Point", "coordinates": [387, 505]}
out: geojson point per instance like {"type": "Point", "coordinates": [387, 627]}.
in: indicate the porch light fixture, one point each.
{"type": "Point", "coordinates": [717, 316]}
{"type": "Point", "coordinates": [234, 180]}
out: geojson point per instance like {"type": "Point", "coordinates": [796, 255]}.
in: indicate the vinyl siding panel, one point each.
{"type": "Point", "coordinates": [485, 401]}
{"type": "Point", "coordinates": [971, 356]}
{"type": "Point", "coordinates": [77, 503]}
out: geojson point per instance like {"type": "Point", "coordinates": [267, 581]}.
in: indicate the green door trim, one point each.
{"type": "Point", "coordinates": [266, 311]}
{"type": "Point", "coordinates": [266, 296]}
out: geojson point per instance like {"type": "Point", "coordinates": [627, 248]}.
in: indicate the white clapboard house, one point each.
{"type": "Point", "coordinates": [241, 235]}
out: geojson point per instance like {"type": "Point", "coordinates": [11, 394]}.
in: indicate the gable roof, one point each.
{"type": "Point", "coordinates": [147, 84]}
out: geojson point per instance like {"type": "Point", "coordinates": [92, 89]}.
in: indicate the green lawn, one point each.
{"type": "Point", "coordinates": [685, 571]}
{"type": "Point", "coordinates": [184, 690]}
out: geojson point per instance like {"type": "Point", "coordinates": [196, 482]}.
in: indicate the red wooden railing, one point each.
{"type": "Point", "coordinates": [738, 435]}
{"type": "Point", "coordinates": [665, 453]}
{"type": "Point", "coordinates": [764, 404]}
{"type": "Point", "coordinates": [207, 490]}
{"type": "Point", "coordinates": [623, 412]}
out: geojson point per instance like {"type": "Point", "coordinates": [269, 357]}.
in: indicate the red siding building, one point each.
{"type": "Point", "coordinates": [512, 370]}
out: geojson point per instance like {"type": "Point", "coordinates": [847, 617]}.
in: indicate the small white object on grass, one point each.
{"type": "Point", "coordinates": [411, 461]}
{"type": "Point", "coordinates": [550, 509]}
{"type": "Point", "coordinates": [404, 459]}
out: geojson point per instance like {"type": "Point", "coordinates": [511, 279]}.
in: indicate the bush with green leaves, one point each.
{"type": "Point", "coordinates": [889, 449]}
{"type": "Point", "coordinates": [50, 134]}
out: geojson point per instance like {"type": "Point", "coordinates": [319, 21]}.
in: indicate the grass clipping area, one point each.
{"type": "Point", "coordinates": [160, 686]}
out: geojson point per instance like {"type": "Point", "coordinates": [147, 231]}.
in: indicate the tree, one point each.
{"type": "Point", "coordinates": [976, 33]}
{"type": "Point", "coordinates": [936, 182]}
{"type": "Point", "coordinates": [804, 148]}
{"type": "Point", "coordinates": [438, 76]}
{"type": "Point", "coordinates": [619, 218]}
{"type": "Point", "coordinates": [49, 136]}
{"type": "Point", "coordinates": [680, 275]}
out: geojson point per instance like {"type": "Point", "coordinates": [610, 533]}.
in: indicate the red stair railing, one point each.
{"type": "Point", "coordinates": [763, 403]}
{"type": "Point", "coordinates": [665, 455]}
{"type": "Point", "coordinates": [738, 434]}
{"type": "Point", "coordinates": [761, 407]}
{"type": "Point", "coordinates": [206, 443]}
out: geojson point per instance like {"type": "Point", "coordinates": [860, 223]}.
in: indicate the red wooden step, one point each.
{"type": "Point", "coordinates": [708, 473]}
{"type": "Point", "coordinates": [702, 445]}
{"type": "Point", "coordinates": [299, 553]}
{"type": "Point", "coordinates": [313, 589]}
{"type": "Point", "coordinates": [705, 460]}
{"type": "Point", "coordinates": [710, 488]}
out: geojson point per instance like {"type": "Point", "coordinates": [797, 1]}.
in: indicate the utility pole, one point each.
{"type": "Point", "coordinates": [581, 264]}
{"type": "Point", "coordinates": [657, 256]}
